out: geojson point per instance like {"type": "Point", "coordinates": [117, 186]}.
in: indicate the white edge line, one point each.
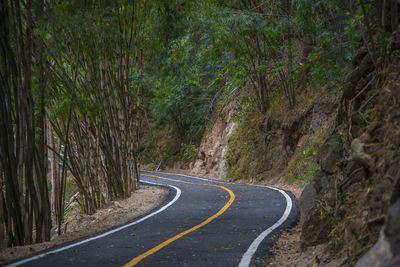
{"type": "Point", "coordinates": [194, 177]}
{"type": "Point", "coordinates": [248, 255]}
{"type": "Point", "coordinates": [178, 194]}
{"type": "Point", "coordinates": [246, 258]}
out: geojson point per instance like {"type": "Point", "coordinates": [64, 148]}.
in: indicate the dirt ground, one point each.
{"type": "Point", "coordinates": [287, 252]}
{"type": "Point", "coordinates": [80, 225]}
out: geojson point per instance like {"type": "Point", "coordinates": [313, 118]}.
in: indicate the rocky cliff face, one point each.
{"type": "Point", "coordinates": [352, 205]}
{"type": "Point", "coordinates": [263, 146]}
{"type": "Point", "coordinates": [210, 159]}
{"type": "Point", "coordinates": [354, 200]}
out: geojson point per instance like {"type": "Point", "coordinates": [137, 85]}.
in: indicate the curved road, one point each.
{"type": "Point", "coordinates": [201, 223]}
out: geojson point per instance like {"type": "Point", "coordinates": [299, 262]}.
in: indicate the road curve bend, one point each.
{"type": "Point", "coordinates": [202, 223]}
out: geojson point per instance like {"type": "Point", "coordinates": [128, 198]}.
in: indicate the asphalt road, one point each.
{"type": "Point", "coordinates": [201, 223]}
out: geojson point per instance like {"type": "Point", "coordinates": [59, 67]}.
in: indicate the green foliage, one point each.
{"type": "Point", "coordinates": [304, 165]}
{"type": "Point", "coordinates": [182, 94]}
{"type": "Point", "coordinates": [244, 157]}
{"type": "Point", "coordinates": [333, 239]}
{"type": "Point", "coordinates": [368, 115]}
{"type": "Point", "coordinates": [189, 151]}
{"type": "Point", "coordinates": [343, 198]}
{"type": "Point", "coordinates": [334, 35]}
{"type": "Point", "coordinates": [159, 146]}
{"type": "Point", "coordinates": [243, 53]}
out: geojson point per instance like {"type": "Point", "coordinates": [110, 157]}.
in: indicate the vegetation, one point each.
{"type": "Point", "coordinates": [304, 165]}
{"type": "Point", "coordinates": [89, 89]}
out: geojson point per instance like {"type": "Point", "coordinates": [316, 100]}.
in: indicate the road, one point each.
{"type": "Point", "coordinates": [201, 223]}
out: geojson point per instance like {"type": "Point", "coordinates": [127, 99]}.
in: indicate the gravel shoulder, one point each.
{"type": "Point", "coordinates": [287, 252]}
{"type": "Point", "coordinates": [80, 225]}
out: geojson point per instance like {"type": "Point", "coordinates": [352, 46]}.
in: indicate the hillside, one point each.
{"type": "Point", "coordinates": [352, 157]}
{"type": "Point", "coordinates": [338, 145]}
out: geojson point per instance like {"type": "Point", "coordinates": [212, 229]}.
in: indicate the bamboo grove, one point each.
{"type": "Point", "coordinates": [70, 104]}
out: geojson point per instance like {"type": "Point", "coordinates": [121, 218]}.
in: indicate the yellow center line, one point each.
{"type": "Point", "coordinates": [172, 239]}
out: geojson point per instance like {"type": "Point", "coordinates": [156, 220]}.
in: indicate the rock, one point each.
{"type": "Point", "coordinates": [396, 192]}
{"type": "Point", "coordinates": [359, 155]}
{"type": "Point", "coordinates": [117, 205]}
{"type": "Point", "coordinates": [392, 227]}
{"type": "Point", "coordinates": [309, 195]}
{"type": "Point", "coordinates": [386, 252]}
{"type": "Point", "coordinates": [108, 204]}
{"type": "Point", "coordinates": [314, 219]}
{"type": "Point", "coordinates": [210, 159]}
{"type": "Point", "coordinates": [84, 218]}
{"type": "Point", "coordinates": [379, 255]}
{"type": "Point", "coordinates": [330, 153]}
{"type": "Point", "coordinates": [321, 180]}
{"type": "Point", "coordinates": [315, 229]}
{"type": "Point", "coordinates": [113, 205]}
{"type": "Point", "coordinates": [322, 112]}
{"type": "Point", "coordinates": [306, 201]}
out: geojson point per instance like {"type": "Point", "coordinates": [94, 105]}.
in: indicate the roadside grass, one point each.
{"type": "Point", "coordinates": [304, 163]}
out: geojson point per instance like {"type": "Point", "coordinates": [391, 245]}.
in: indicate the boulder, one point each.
{"type": "Point", "coordinates": [330, 153]}
{"type": "Point", "coordinates": [386, 252]}
{"type": "Point", "coordinates": [315, 219]}
{"type": "Point", "coordinates": [379, 255]}
{"type": "Point", "coordinates": [392, 227]}
{"type": "Point", "coordinates": [306, 201]}
{"type": "Point", "coordinates": [310, 194]}
{"type": "Point", "coordinates": [315, 229]}
{"type": "Point", "coordinates": [321, 180]}
{"type": "Point", "coordinates": [359, 155]}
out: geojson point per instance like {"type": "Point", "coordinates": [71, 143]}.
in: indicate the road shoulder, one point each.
{"type": "Point", "coordinates": [119, 212]}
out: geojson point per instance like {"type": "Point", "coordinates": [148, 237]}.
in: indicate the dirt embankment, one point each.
{"type": "Point", "coordinates": [350, 210]}
{"type": "Point", "coordinates": [345, 151]}
{"type": "Point", "coordinates": [80, 225]}
{"type": "Point", "coordinates": [267, 151]}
